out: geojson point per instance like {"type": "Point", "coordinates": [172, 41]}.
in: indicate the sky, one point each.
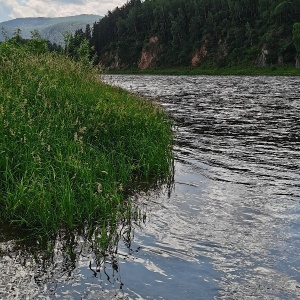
{"type": "Point", "coordinates": [12, 9]}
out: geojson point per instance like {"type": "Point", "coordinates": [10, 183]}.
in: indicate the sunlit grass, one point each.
{"type": "Point", "coordinates": [72, 148]}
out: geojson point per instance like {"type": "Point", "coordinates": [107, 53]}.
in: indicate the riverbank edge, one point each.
{"type": "Point", "coordinates": [73, 149]}
{"type": "Point", "coordinates": [263, 71]}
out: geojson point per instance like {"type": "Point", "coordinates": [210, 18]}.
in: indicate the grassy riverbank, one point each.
{"type": "Point", "coordinates": [267, 71]}
{"type": "Point", "coordinates": [72, 148]}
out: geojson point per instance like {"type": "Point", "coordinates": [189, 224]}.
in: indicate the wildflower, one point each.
{"type": "Point", "coordinates": [99, 187]}
{"type": "Point", "coordinates": [82, 129]}
{"type": "Point", "coordinates": [12, 132]}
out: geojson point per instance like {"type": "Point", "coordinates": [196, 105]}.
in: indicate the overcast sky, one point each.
{"type": "Point", "coordinates": [12, 9]}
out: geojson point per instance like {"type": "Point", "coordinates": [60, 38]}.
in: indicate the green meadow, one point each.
{"type": "Point", "coordinates": [72, 149]}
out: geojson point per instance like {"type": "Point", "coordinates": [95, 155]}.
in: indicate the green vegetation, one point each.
{"type": "Point", "coordinates": [52, 29]}
{"type": "Point", "coordinates": [72, 149]}
{"type": "Point", "coordinates": [296, 38]}
{"type": "Point", "coordinates": [258, 71]}
{"type": "Point", "coordinates": [210, 34]}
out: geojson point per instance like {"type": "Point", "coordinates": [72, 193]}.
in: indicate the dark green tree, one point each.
{"type": "Point", "coordinates": [235, 30]}
{"type": "Point", "coordinates": [296, 39]}
{"type": "Point", "coordinates": [36, 43]}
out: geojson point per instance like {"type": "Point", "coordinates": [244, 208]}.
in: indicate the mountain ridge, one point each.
{"type": "Point", "coordinates": [52, 29]}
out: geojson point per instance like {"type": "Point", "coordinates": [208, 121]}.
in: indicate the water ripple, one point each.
{"type": "Point", "coordinates": [229, 226]}
{"type": "Point", "coordinates": [235, 205]}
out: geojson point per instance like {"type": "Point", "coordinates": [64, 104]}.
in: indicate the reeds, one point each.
{"type": "Point", "coordinates": [72, 148]}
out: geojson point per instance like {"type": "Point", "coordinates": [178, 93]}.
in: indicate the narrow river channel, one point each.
{"type": "Point", "coordinates": [229, 226]}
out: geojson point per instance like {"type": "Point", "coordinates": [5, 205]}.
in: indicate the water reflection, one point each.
{"type": "Point", "coordinates": [227, 229]}
{"type": "Point", "coordinates": [75, 265]}
{"type": "Point", "coordinates": [235, 208]}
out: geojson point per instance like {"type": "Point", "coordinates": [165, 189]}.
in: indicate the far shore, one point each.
{"type": "Point", "coordinates": [250, 71]}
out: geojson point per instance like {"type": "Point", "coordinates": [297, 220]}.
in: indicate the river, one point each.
{"type": "Point", "coordinates": [228, 227]}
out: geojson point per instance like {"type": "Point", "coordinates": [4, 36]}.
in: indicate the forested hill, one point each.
{"type": "Point", "coordinates": [52, 29]}
{"type": "Point", "coordinates": [205, 33]}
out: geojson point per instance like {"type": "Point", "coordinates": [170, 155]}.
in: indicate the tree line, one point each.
{"type": "Point", "coordinates": [233, 32]}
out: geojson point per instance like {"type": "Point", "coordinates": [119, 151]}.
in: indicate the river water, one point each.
{"type": "Point", "coordinates": [228, 227]}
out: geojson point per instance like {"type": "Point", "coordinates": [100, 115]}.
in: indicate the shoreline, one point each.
{"type": "Point", "coordinates": [73, 149]}
{"type": "Point", "coordinates": [263, 71]}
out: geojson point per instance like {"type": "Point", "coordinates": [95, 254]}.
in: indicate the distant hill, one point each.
{"type": "Point", "coordinates": [52, 29]}
{"type": "Point", "coordinates": [204, 33]}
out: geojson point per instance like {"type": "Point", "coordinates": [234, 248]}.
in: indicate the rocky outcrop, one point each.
{"type": "Point", "coordinates": [116, 63]}
{"type": "Point", "coordinates": [262, 58]}
{"type": "Point", "coordinates": [199, 54]}
{"type": "Point", "coordinates": [112, 61]}
{"type": "Point", "coordinates": [223, 49]}
{"type": "Point", "coordinates": [150, 53]}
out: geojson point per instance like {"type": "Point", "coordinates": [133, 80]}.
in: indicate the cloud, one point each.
{"type": "Point", "coordinates": [11, 9]}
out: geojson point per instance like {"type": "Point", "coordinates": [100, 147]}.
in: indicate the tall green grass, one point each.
{"type": "Point", "coordinates": [71, 147]}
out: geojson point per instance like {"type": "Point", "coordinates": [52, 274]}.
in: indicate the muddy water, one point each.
{"type": "Point", "coordinates": [227, 229]}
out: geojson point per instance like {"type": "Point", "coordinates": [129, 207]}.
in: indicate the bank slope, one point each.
{"type": "Point", "coordinates": [72, 148]}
